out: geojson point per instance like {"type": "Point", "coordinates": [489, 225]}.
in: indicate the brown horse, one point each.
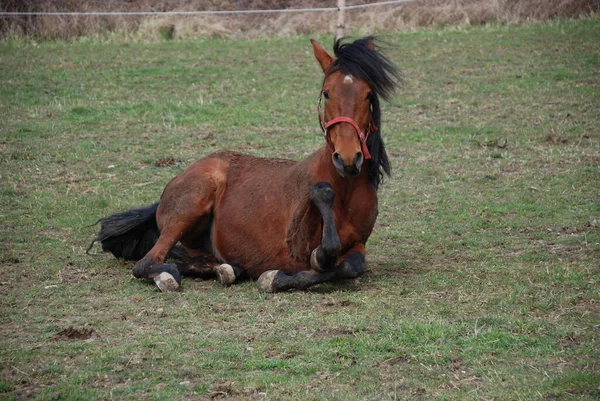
{"type": "Point", "coordinates": [288, 224]}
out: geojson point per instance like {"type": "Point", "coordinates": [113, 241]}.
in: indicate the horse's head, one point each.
{"type": "Point", "coordinates": [350, 105]}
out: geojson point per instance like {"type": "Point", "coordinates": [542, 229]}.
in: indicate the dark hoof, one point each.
{"type": "Point", "coordinates": [267, 282]}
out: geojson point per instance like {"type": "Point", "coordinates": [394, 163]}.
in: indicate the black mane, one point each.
{"type": "Point", "coordinates": [363, 59]}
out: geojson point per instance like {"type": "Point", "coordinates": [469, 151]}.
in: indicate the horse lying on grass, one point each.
{"type": "Point", "coordinates": [288, 224]}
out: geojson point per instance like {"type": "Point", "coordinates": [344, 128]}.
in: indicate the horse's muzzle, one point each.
{"type": "Point", "coordinates": [347, 170]}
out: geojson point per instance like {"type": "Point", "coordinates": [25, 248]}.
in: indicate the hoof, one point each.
{"type": "Point", "coordinates": [266, 281]}
{"type": "Point", "coordinates": [314, 263]}
{"type": "Point", "coordinates": [166, 282]}
{"type": "Point", "coordinates": [225, 274]}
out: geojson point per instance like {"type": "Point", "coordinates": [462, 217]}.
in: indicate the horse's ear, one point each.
{"type": "Point", "coordinates": [321, 55]}
{"type": "Point", "coordinates": [371, 43]}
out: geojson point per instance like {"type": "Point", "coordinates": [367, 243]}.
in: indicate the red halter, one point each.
{"type": "Point", "coordinates": [362, 136]}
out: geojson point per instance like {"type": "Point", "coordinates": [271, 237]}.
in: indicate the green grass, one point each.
{"type": "Point", "coordinates": [483, 269]}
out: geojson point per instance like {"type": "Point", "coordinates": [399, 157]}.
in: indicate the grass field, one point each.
{"type": "Point", "coordinates": [483, 270]}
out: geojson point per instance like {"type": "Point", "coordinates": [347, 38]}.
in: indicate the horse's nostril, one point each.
{"type": "Point", "coordinates": [359, 158]}
{"type": "Point", "coordinates": [337, 160]}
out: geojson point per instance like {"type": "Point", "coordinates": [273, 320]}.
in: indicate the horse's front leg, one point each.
{"type": "Point", "coordinates": [277, 281]}
{"type": "Point", "coordinates": [351, 265]}
{"type": "Point", "coordinates": [324, 259]}
{"type": "Point", "coordinates": [326, 255]}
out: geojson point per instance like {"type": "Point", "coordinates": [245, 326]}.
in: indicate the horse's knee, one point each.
{"type": "Point", "coordinates": [322, 194]}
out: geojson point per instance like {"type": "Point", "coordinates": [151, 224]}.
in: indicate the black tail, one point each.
{"type": "Point", "coordinates": [129, 235]}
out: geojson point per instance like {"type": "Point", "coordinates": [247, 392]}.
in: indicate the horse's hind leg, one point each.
{"type": "Point", "coordinates": [166, 275]}
{"type": "Point", "coordinates": [184, 214]}
{"type": "Point", "coordinates": [206, 266]}
{"type": "Point", "coordinates": [201, 265]}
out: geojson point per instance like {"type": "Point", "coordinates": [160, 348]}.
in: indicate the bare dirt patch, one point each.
{"type": "Point", "coordinates": [73, 274]}
{"type": "Point", "coordinates": [397, 360]}
{"type": "Point", "coordinates": [74, 334]}
{"type": "Point", "coordinates": [221, 390]}
{"type": "Point", "coordinates": [166, 162]}
{"type": "Point", "coordinates": [556, 139]}
{"type": "Point", "coordinates": [330, 303]}
{"type": "Point", "coordinates": [337, 332]}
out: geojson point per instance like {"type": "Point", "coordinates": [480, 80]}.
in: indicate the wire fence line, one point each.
{"type": "Point", "coordinates": [203, 12]}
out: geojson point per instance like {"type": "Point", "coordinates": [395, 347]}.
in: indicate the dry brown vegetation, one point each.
{"type": "Point", "coordinates": [380, 19]}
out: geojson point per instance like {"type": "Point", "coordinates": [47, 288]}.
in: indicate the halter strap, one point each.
{"type": "Point", "coordinates": [361, 135]}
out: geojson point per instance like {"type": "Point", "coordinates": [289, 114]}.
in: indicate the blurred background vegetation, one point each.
{"type": "Point", "coordinates": [380, 19]}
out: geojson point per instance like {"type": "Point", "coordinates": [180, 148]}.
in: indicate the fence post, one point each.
{"type": "Point", "coordinates": [340, 20]}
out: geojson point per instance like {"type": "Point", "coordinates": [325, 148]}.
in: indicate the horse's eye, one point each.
{"type": "Point", "coordinates": [326, 95]}
{"type": "Point", "coordinates": [369, 96]}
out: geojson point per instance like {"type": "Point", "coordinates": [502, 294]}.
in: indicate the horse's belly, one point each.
{"type": "Point", "coordinates": [253, 244]}
{"type": "Point", "coordinates": [250, 226]}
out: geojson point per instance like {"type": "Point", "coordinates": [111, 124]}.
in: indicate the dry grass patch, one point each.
{"type": "Point", "coordinates": [379, 19]}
